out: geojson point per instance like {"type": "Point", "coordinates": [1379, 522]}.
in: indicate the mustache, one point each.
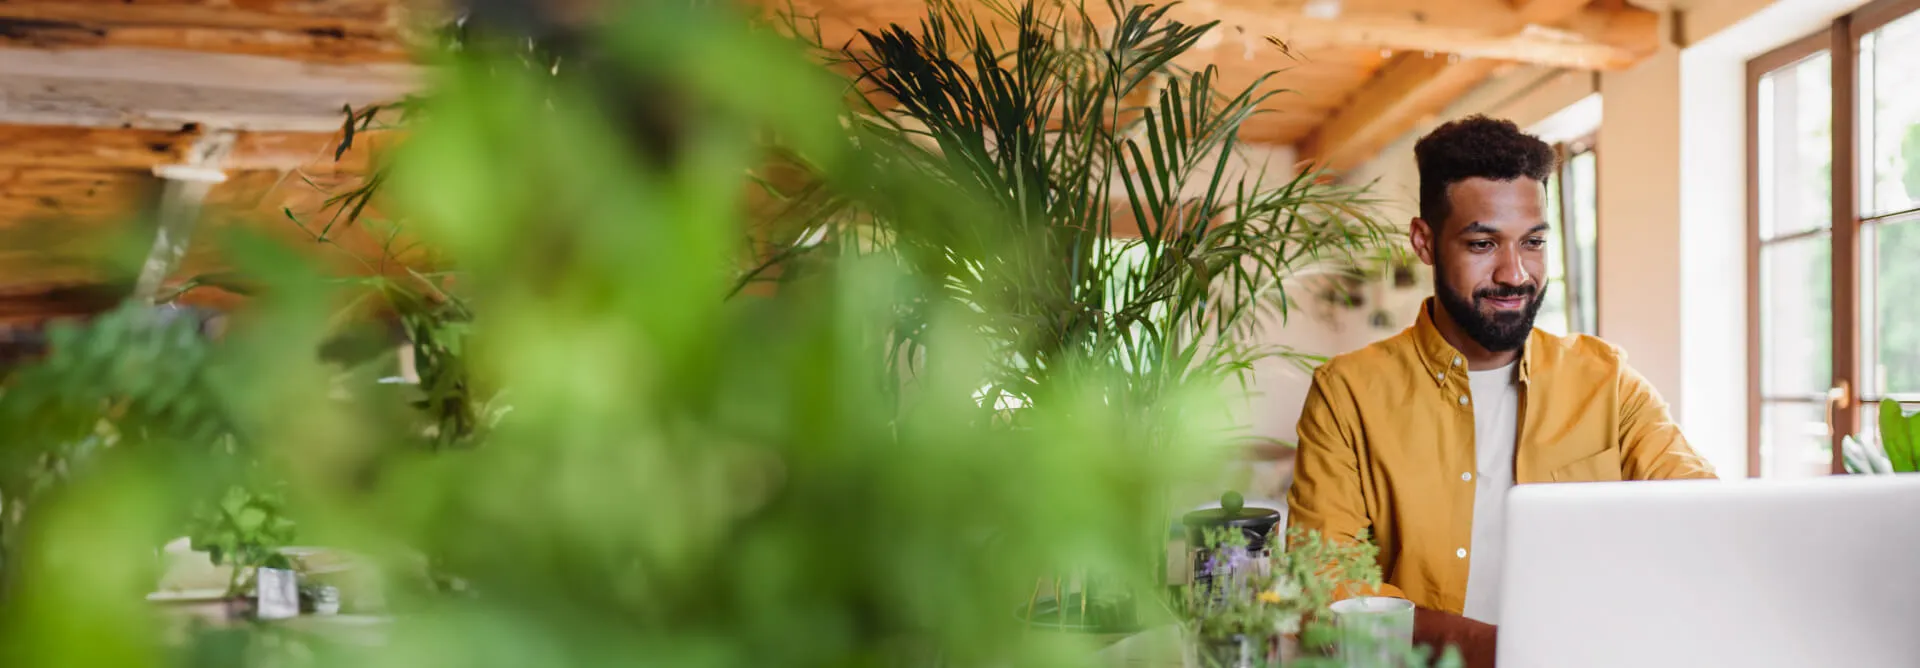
{"type": "Point", "coordinates": [1528, 290]}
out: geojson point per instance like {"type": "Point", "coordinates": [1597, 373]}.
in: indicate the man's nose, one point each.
{"type": "Point", "coordinates": [1509, 271]}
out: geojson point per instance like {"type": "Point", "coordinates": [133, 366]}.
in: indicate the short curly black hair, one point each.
{"type": "Point", "coordinates": [1475, 147]}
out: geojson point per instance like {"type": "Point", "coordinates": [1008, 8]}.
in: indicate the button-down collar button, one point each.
{"type": "Point", "coordinates": [1456, 360]}
{"type": "Point", "coordinates": [1463, 400]}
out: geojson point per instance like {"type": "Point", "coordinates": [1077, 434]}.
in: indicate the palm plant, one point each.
{"type": "Point", "coordinates": [1080, 126]}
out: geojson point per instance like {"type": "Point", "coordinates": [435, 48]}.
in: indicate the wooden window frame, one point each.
{"type": "Point", "coordinates": [1840, 39]}
{"type": "Point", "coordinates": [1564, 153]}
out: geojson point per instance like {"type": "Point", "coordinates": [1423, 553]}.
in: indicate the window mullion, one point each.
{"type": "Point", "coordinates": [1846, 226]}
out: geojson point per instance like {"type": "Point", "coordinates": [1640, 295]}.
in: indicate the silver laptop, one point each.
{"type": "Point", "coordinates": [1738, 573]}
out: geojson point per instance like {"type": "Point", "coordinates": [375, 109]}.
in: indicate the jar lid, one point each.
{"type": "Point", "coordinates": [1232, 513]}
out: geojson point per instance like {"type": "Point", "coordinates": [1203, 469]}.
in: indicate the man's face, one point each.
{"type": "Point", "coordinates": [1489, 258]}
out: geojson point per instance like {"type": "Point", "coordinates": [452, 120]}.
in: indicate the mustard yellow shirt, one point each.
{"type": "Point", "coordinates": [1387, 431]}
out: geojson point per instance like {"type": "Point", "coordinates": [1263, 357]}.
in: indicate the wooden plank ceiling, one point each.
{"type": "Point", "coordinates": [95, 94]}
{"type": "Point", "coordinates": [1358, 73]}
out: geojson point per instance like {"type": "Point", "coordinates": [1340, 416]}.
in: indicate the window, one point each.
{"type": "Point", "coordinates": [1572, 208]}
{"type": "Point", "coordinates": [1834, 230]}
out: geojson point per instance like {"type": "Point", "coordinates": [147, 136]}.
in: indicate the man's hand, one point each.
{"type": "Point", "coordinates": [1440, 629]}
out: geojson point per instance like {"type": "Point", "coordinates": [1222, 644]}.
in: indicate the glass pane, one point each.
{"type": "Point", "coordinates": [1794, 442]}
{"type": "Point", "coordinates": [1890, 308]}
{"type": "Point", "coordinates": [1796, 149]}
{"type": "Point", "coordinates": [1553, 310]}
{"type": "Point", "coordinates": [1890, 144]}
{"type": "Point", "coordinates": [1796, 315]}
{"type": "Point", "coordinates": [1580, 270]}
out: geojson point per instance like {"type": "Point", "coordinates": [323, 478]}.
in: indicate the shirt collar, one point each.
{"type": "Point", "coordinates": [1440, 357]}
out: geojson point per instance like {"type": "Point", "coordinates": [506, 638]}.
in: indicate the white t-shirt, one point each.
{"type": "Point", "coordinates": [1496, 425]}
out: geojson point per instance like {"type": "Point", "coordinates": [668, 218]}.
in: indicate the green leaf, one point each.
{"type": "Point", "coordinates": [1913, 440]}
{"type": "Point", "coordinates": [1897, 436]}
{"type": "Point", "coordinates": [250, 519]}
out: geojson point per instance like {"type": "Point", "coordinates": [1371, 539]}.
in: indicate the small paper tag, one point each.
{"type": "Point", "coordinates": [279, 593]}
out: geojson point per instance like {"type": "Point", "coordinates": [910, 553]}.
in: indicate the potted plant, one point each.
{"type": "Point", "coordinates": [1261, 609]}
{"type": "Point", "coordinates": [1896, 451]}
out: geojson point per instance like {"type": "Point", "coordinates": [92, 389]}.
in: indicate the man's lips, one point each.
{"type": "Point", "coordinates": [1507, 303]}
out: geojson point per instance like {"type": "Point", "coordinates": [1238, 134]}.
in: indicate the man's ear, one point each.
{"type": "Point", "coordinates": [1423, 240]}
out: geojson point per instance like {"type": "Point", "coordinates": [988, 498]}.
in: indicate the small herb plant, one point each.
{"type": "Point", "coordinates": [1247, 600]}
{"type": "Point", "coordinates": [245, 530]}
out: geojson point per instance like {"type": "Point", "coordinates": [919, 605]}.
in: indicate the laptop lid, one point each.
{"type": "Point", "coordinates": [1749, 573]}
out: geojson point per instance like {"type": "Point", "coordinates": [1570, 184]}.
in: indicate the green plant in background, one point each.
{"type": "Point", "coordinates": [1896, 451]}
{"type": "Point", "coordinates": [1287, 596]}
{"type": "Point", "coordinates": [244, 530]}
{"type": "Point", "coordinates": [1145, 247]}
{"type": "Point", "coordinates": [135, 374]}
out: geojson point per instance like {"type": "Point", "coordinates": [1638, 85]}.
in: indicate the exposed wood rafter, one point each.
{"type": "Point", "coordinates": [1413, 86]}
{"type": "Point", "coordinates": [158, 88]}
{"type": "Point", "coordinates": [1405, 91]}
{"type": "Point", "coordinates": [139, 150]}
{"type": "Point", "coordinates": [1556, 33]}
{"type": "Point", "coordinates": [355, 31]}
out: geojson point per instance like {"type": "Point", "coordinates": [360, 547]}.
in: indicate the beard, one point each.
{"type": "Point", "coordinates": [1497, 331]}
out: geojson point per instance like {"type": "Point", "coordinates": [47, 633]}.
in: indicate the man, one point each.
{"type": "Point", "coordinates": [1417, 438]}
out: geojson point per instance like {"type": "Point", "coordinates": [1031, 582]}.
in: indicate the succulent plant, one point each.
{"type": "Point", "coordinates": [1896, 451]}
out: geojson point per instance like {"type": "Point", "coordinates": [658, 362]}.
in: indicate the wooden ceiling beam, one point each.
{"type": "Point", "coordinates": [1556, 33]}
{"type": "Point", "coordinates": [165, 89]}
{"type": "Point", "coordinates": [74, 148]}
{"type": "Point", "coordinates": [1414, 86]}
{"type": "Point", "coordinates": [340, 31]}
{"type": "Point", "coordinates": [1406, 90]}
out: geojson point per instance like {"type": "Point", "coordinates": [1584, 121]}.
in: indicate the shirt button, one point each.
{"type": "Point", "coordinates": [1439, 376]}
{"type": "Point", "coordinates": [1461, 553]}
{"type": "Point", "coordinates": [1463, 400]}
{"type": "Point", "coordinates": [1466, 476]}
{"type": "Point", "coordinates": [1456, 360]}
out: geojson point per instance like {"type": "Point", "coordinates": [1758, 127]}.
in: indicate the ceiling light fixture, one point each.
{"type": "Point", "coordinates": [1325, 10]}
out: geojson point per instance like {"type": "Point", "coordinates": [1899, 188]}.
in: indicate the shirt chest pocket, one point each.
{"type": "Point", "coordinates": [1602, 466]}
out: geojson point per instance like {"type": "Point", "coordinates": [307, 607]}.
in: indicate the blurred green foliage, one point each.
{"type": "Point", "coordinates": [671, 473]}
{"type": "Point", "coordinates": [246, 530]}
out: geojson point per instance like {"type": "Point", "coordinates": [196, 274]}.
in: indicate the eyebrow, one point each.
{"type": "Point", "coordinates": [1483, 228]}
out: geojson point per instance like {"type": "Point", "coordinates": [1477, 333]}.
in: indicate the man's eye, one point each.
{"type": "Point", "coordinates": [1536, 243]}
{"type": "Point", "coordinates": [1480, 245]}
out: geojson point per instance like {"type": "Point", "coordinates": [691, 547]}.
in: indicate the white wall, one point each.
{"type": "Point", "coordinates": [1639, 288]}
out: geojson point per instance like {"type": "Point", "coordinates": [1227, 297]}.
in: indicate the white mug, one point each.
{"type": "Point", "coordinates": [1375, 631]}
